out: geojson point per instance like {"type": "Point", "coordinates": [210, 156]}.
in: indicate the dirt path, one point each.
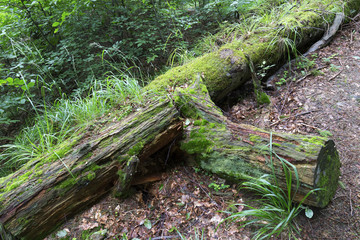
{"type": "Point", "coordinates": [323, 99]}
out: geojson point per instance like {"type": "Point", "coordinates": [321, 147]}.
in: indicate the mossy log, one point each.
{"type": "Point", "coordinates": [227, 68]}
{"type": "Point", "coordinates": [105, 156]}
{"type": "Point", "coordinates": [46, 191]}
{"type": "Point", "coordinates": [240, 152]}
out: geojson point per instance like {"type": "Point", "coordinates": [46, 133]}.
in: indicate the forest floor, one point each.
{"type": "Point", "coordinates": [323, 98]}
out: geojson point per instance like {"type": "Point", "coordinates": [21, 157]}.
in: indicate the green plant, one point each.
{"type": "Point", "coordinates": [334, 67]}
{"type": "Point", "coordinates": [276, 212]}
{"type": "Point", "coordinates": [56, 123]}
{"type": "Point", "coordinates": [304, 63]}
{"type": "Point", "coordinates": [217, 187]}
{"type": "Point", "coordinates": [324, 133]}
{"type": "Point", "coordinates": [283, 79]}
{"type": "Point", "coordinates": [328, 59]}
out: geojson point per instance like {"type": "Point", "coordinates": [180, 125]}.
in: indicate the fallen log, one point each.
{"type": "Point", "coordinates": [39, 196]}
{"type": "Point", "coordinates": [328, 36]}
{"type": "Point", "coordinates": [47, 190]}
{"type": "Point", "coordinates": [239, 151]}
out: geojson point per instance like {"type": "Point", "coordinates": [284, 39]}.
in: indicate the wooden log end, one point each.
{"type": "Point", "coordinates": [327, 174]}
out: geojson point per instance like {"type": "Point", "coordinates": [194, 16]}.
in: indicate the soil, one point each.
{"type": "Point", "coordinates": [320, 95]}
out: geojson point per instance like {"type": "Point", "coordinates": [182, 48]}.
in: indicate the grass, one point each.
{"type": "Point", "coordinates": [52, 125]}
{"type": "Point", "coordinates": [276, 212]}
{"type": "Point", "coordinates": [197, 235]}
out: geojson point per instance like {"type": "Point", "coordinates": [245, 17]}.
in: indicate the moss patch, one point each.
{"type": "Point", "coordinates": [328, 172]}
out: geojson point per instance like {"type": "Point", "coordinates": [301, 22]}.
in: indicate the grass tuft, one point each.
{"type": "Point", "coordinates": [53, 124]}
{"type": "Point", "coordinates": [276, 212]}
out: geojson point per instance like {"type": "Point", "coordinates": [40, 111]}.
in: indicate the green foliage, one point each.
{"type": "Point", "coordinates": [60, 47]}
{"type": "Point", "coordinates": [276, 212]}
{"type": "Point", "coordinates": [54, 124]}
{"type": "Point", "coordinates": [217, 187]}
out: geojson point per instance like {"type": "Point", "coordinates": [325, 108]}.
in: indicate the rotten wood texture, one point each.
{"type": "Point", "coordinates": [238, 151]}
{"type": "Point", "coordinates": [4, 234]}
{"type": "Point", "coordinates": [52, 192]}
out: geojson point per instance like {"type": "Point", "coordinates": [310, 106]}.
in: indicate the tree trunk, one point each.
{"type": "Point", "coordinates": [38, 197]}
{"type": "Point", "coordinates": [239, 151]}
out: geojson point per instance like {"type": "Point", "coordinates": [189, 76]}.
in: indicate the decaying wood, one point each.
{"type": "Point", "coordinates": [41, 203]}
{"type": "Point", "coordinates": [4, 234]}
{"type": "Point", "coordinates": [239, 151]}
{"type": "Point", "coordinates": [42, 194]}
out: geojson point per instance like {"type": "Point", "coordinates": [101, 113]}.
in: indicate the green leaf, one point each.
{"type": "Point", "coordinates": [18, 81]}
{"type": "Point", "coordinates": [56, 30]}
{"type": "Point", "coordinates": [10, 80]}
{"type": "Point", "coordinates": [31, 84]}
{"type": "Point", "coordinates": [55, 24]}
{"type": "Point", "coordinates": [147, 224]}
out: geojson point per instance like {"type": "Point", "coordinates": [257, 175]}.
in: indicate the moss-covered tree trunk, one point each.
{"type": "Point", "coordinates": [104, 157]}
{"type": "Point", "coordinates": [239, 151]}
{"type": "Point", "coordinates": [47, 190]}
{"type": "Point", "coordinates": [38, 197]}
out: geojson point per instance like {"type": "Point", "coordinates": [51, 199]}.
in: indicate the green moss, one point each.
{"type": "Point", "coordinates": [202, 130]}
{"type": "Point", "coordinates": [106, 142]}
{"type": "Point", "coordinates": [198, 143]}
{"type": "Point", "coordinates": [315, 140]}
{"type": "Point", "coordinates": [135, 150]}
{"type": "Point", "coordinates": [23, 221]}
{"type": "Point", "coordinates": [254, 138]}
{"type": "Point", "coordinates": [91, 175]}
{"type": "Point", "coordinates": [37, 173]}
{"type": "Point", "coordinates": [327, 172]}
{"type": "Point", "coordinates": [14, 183]}
{"type": "Point", "coordinates": [200, 122]}
{"type": "Point", "coordinates": [276, 144]}
{"type": "Point", "coordinates": [262, 98]}
{"type": "Point", "coordinates": [229, 166]}
{"type": "Point", "coordinates": [58, 153]}
{"type": "Point", "coordinates": [87, 156]}
{"type": "Point", "coordinates": [66, 184]}
{"type": "Point", "coordinates": [197, 123]}
{"type": "Point", "coordinates": [211, 64]}
{"type": "Point", "coordinates": [212, 125]}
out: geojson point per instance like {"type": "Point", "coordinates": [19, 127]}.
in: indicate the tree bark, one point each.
{"type": "Point", "coordinates": [38, 197]}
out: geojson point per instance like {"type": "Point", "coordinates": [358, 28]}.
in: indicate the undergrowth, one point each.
{"type": "Point", "coordinates": [53, 124]}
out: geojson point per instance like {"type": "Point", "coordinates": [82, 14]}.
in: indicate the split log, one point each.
{"type": "Point", "coordinates": [38, 197]}
{"type": "Point", "coordinates": [239, 151]}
